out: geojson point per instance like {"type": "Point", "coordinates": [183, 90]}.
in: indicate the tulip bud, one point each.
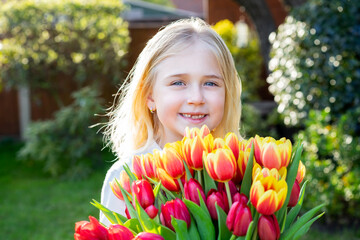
{"type": "Point", "coordinates": [268, 227]}
{"type": "Point", "coordinates": [152, 211]}
{"type": "Point", "coordinates": [219, 198]}
{"type": "Point", "coordinates": [172, 162]}
{"type": "Point", "coordinates": [240, 197]}
{"type": "Point", "coordinates": [204, 131]}
{"type": "Point", "coordinates": [143, 193]}
{"type": "Point", "coordinates": [239, 218]}
{"type": "Point", "coordinates": [118, 232]}
{"type": "Point", "coordinates": [148, 236]}
{"type": "Point", "coordinates": [90, 230]}
{"type": "Point", "coordinates": [191, 191]}
{"type": "Point", "coordinates": [124, 181]}
{"type": "Point", "coordinates": [177, 209]}
{"type": "Point", "coordinates": [295, 192]}
{"type": "Point", "coordinates": [301, 172]}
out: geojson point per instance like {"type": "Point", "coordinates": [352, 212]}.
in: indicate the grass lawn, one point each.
{"type": "Point", "coordinates": [33, 206]}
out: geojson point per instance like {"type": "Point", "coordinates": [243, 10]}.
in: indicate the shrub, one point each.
{"type": "Point", "coordinates": [315, 60]}
{"type": "Point", "coordinates": [66, 146]}
{"type": "Point", "coordinates": [46, 41]}
{"type": "Point", "coordinates": [332, 154]}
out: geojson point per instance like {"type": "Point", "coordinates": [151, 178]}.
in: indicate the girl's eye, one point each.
{"type": "Point", "coordinates": [211, 84]}
{"type": "Point", "coordinates": [177, 83]}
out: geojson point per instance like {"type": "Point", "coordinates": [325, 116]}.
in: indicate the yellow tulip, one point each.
{"type": "Point", "coordinates": [268, 194]}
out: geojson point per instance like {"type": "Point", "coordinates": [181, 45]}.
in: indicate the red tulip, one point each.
{"type": "Point", "coordinates": [220, 165]}
{"type": "Point", "coordinates": [142, 191]}
{"type": "Point", "coordinates": [148, 236]}
{"type": "Point", "coordinates": [152, 211]}
{"type": "Point", "coordinates": [191, 191]}
{"type": "Point", "coordinates": [219, 198]}
{"type": "Point", "coordinates": [118, 232]}
{"type": "Point", "coordinates": [295, 192]}
{"type": "Point", "coordinates": [239, 218]}
{"type": "Point", "coordinates": [240, 197]}
{"type": "Point", "coordinates": [177, 209]}
{"type": "Point", "coordinates": [92, 230]}
{"type": "Point", "coordinates": [268, 228]}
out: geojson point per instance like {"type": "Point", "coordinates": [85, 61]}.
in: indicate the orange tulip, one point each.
{"type": "Point", "coordinates": [193, 132]}
{"type": "Point", "coordinates": [148, 166]}
{"type": "Point", "coordinates": [272, 153]}
{"type": "Point", "coordinates": [136, 164]}
{"type": "Point", "coordinates": [193, 152]}
{"type": "Point", "coordinates": [301, 172]}
{"type": "Point", "coordinates": [124, 181]}
{"type": "Point", "coordinates": [171, 162]}
{"type": "Point", "coordinates": [232, 142]}
{"type": "Point", "coordinates": [167, 181]}
{"type": "Point", "coordinates": [220, 165]}
{"type": "Point", "coordinates": [219, 143]}
{"type": "Point", "coordinates": [268, 194]}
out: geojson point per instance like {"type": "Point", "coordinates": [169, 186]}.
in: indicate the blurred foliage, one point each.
{"type": "Point", "coordinates": [66, 146]}
{"type": "Point", "coordinates": [332, 158]}
{"type": "Point", "coordinates": [315, 60]}
{"type": "Point", "coordinates": [166, 3]}
{"type": "Point", "coordinates": [248, 60]}
{"type": "Point", "coordinates": [41, 40]}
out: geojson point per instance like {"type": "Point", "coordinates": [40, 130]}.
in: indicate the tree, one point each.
{"type": "Point", "coordinates": [262, 18]}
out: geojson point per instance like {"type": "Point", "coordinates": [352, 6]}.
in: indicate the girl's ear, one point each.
{"type": "Point", "coordinates": [150, 102]}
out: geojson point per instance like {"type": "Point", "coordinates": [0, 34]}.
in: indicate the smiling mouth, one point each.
{"type": "Point", "coordinates": [193, 116]}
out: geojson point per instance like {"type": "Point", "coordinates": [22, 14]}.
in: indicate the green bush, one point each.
{"type": "Point", "coordinates": [332, 158]}
{"type": "Point", "coordinates": [315, 60]}
{"type": "Point", "coordinates": [66, 146]}
{"type": "Point", "coordinates": [44, 41]}
{"type": "Point", "coordinates": [248, 60]}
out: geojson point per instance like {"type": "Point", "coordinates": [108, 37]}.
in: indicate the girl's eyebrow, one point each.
{"type": "Point", "coordinates": [206, 76]}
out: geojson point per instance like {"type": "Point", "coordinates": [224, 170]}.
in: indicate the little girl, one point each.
{"type": "Point", "coordinates": [184, 77]}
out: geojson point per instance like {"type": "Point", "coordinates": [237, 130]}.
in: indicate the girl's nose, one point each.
{"type": "Point", "coordinates": [195, 96]}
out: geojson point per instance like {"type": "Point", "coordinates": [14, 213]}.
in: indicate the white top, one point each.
{"type": "Point", "coordinates": [108, 198]}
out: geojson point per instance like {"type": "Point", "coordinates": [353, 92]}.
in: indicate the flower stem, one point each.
{"type": "Point", "coordinates": [233, 237]}
{"type": "Point", "coordinates": [228, 193]}
{"type": "Point", "coordinates": [181, 186]}
{"type": "Point", "coordinates": [199, 176]}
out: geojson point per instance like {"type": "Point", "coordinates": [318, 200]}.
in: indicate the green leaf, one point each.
{"type": "Point", "coordinates": [289, 233]}
{"type": "Point", "coordinates": [203, 204]}
{"type": "Point", "coordinates": [246, 183]}
{"type": "Point", "coordinates": [224, 232]}
{"type": "Point", "coordinates": [180, 229]}
{"type": "Point", "coordinates": [132, 177]}
{"type": "Point", "coordinates": [193, 231]}
{"type": "Point", "coordinates": [108, 213]}
{"type": "Point", "coordinates": [149, 225]}
{"type": "Point", "coordinates": [188, 173]}
{"type": "Point", "coordinates": [290, 179]}
{"type": "Point", "coordinates": [296, 209]}
{"type": "Point", "coordinates": [134, 225]}
{"type": "Point", "coordinates": [209, 183]}
{"type": "Point", "coordinates": [203, 221]}
{"type": "Point", "coordinates": [129, 206]}
{"type": "Point", "coordinates": [304, 229]}
{"type": "Point", "coordinates": [250, 230]}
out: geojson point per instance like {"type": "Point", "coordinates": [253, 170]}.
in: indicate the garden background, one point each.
{"type": "Point", "coordinates": [61, 62]}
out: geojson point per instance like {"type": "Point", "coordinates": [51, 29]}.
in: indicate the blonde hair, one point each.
{"type": "Point", "coordinates": [131, 126]}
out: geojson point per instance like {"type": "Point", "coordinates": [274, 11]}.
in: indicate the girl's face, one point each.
{"type": "Point", "coordinates": [188, 91]}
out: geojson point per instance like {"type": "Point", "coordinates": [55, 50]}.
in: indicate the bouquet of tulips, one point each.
{"type": "Point", "coordinates": [205, 188]}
